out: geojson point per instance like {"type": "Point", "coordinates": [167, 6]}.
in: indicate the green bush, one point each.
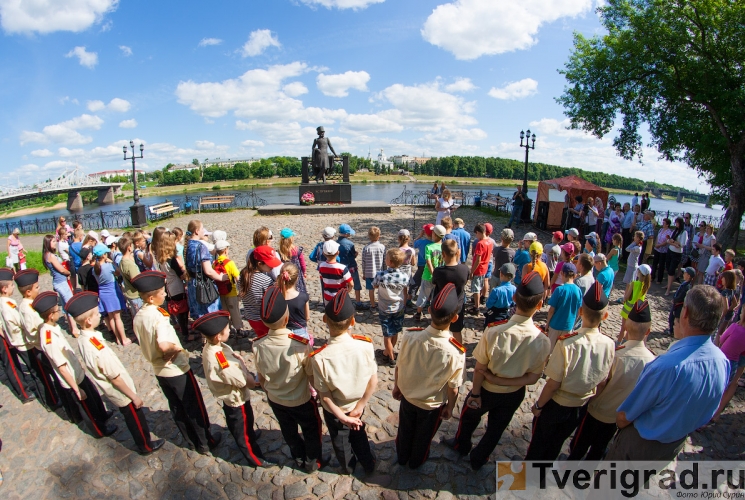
{"type": "Point", "coordinates": [216, 187]}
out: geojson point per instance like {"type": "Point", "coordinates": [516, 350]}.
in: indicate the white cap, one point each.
{"type": "Point", "coordinates": [404, 232]}
{"type": "Point", "coordinates": [93, 235]}
{"type": "Point", "coordinates": [105, 234]}
{"type": "Point", "coordinates": [219, 235]}
{"type": "Point", "coordinates": [556, 250]}
{"type": "Point", "coordinates": [440, 230]}
{"type": "Point", "coordinates": [328, 232]}
{"type": "Point", "coordinates": [110, 240]}
{"type": "Point", "coordinates": [221, 244]}
{"type": "Point", "coordinates": [207, 233]}
{"type": "Point", "coordinates": [645, 269]}
{"type": "Point", "coordinates": [530, 237]}
{"type": "Point", "coordinates": [330, 247]}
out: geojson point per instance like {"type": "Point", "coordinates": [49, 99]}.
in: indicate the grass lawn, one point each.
{"type": "Point", "coordinates": [33, 260]}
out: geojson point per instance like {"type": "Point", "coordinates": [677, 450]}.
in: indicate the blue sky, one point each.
{"type": "Point", "coordinates": [242, 78]}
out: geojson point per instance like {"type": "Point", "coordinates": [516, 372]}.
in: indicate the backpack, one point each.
{"type": "Point", "coordinates": [223, 287]}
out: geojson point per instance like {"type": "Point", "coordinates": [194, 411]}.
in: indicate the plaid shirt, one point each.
{"type": "Point", "coordinates": [646, 227]}
{"type": "Point", "coordinates": [391, 284]}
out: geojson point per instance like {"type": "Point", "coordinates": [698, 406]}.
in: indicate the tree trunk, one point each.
{"type": "Point", "coordinates": [727, 233]}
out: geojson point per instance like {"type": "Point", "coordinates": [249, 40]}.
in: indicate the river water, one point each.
{"type": "Point", "coordinates": [364, 192]}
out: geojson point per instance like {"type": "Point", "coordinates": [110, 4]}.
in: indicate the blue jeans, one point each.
{"type": "Point", "coordinates": [517, 211]}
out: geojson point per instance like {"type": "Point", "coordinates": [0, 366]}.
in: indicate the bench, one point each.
{"type": "Point", "coordinates": [163, 209]}
{"type": "Point", "coordinates": [215, 200]}
{"type": "Point", "coordinates": [498, 202]}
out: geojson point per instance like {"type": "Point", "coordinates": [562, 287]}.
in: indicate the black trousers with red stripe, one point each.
{"type": "Point", "coordinates": [592, 438]}
{"type": "Point", "coordinates": [348, 442]}
{"type": "Point", "coordinates": [550, 429]}
{"type": "Point", "coordinates": [187, 408]}
{"type": "Point", "coordinates": [416, 428]}
{"type": "Point", "coordinates": [240, 422]}
{"type": "Point", "coordinates": [500, 408]}
{"type": "Point", "coordinates": [43, 376]}
{"type": "Point", "coordinates": [93, 409]}
{"type": "Point", "coordinates": [18, 378]}
{"type": "Point", "coordinates": [307, 447]}
{"type": "Point", "coordinates": [137, 425]}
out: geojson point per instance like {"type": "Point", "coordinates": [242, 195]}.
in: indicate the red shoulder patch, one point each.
{"type": "Point", "coordinates": [298, 338]}
{"type": "Point", "coordinates": [362, 337]}
{"type": "Point", "coordinates": [568, 335]}
{"type": "Point", "coordinates": [48, 337]}
{"type": "Point", "coordinates": [98, 345]}
{"type": "Point", "coordinates": [221, 359]}
{"type": "Point", "coordinates": [457, 345]}
{"type": "Point", "coordinates": [163, 312]}
{"type": "Point", "coordinates": [495, 323]}
{"type": "Point", "coordinates": [318, 350]}
{"type": "Point", "coordinates": [12, 305]}
{"type": "Point", "coordinates": [619, 347]}
{"type": "Point", "coordinates": [415, 329]}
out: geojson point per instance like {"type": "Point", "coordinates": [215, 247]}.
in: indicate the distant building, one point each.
{"type": "Point", "coordinates": [184, 166]}
{"type": "Point", "coordinates": [410, 161]}
{"type": "Point", "coordinates": [112, 173]}
{"type": "Point", "coordinates": [218, 162]}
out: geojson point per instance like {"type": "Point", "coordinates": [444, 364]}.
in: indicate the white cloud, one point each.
{"type": "Point", "coordinates": [41, 153]}
{"type": "Point", "coordinates": [131, 123]}
{"type": "Point", "coordinates": [338, 85]}
{"type": "Point", "coordinates": [95, 106]}
{"type": "Point", "coordinates": [295, 89]}
{"type": "Point", "coordinates": [473, 28]}
{"type": "Point", "coordinates": [207, 42]}
{"type": "Point", "coordinates": [127, 51]}
{"type": "Point", "coordinates": [87, 59]}
{"type": "Point", "coordinates": [461, 85]}
{"type": "Point", "coordinates": [66, 153]}
{"type": "Point", "coordinates": [369, 124]}
{"type": "Point", "coordinates": [116, 104]}
{"type": "Point", "coordinates": [515, 90]}
{"type": "Point", "coordinates": [204, 144]}
{"type": "Point", "coordinates": [342, 4]}
{"type": "Point", "coordinates": [65, 132]}
{"type": "Point", "coordinates": [252, 144]}
{"type": "Point", "coordinates": [426, 107]}
{"type": "Point", "coordinates": [46, 16]}
{"type": "Point", "coordinates": [258, 42]}
{"type": "Point", "coordinates": [555, 128]}
{"type": "Point", "coordinates": [67, 99]}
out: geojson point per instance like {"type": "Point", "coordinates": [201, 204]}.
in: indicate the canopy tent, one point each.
{"type": "Point", "coordinates": [560, 193]}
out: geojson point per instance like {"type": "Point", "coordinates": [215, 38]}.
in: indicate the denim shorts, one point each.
{"type": "Point", "coordinates": [369, 283]}
{"type": "Point", "coordinates": [391, 324]}
{"type": "Point", "coordinates": [355, 278]}
{"type": "Point", "coordinates": [477, 283]}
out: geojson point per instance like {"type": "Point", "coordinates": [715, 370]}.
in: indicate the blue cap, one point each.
{"type": "Point", "coordinates": [568, 267]}
{"type": "Point", "coordinates": [591, 241]}
{"type": "Point", "coordinates": [100, 250]}
{"type": "Point", "coordinates": [346, 229]}
{"type": "Point", "coordinates": [286, 233]}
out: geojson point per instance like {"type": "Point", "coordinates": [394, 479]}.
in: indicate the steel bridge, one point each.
{"type": "Point", "coordinates": [71, 182]}
{"type": "Point", "coordinates": [680, 196]}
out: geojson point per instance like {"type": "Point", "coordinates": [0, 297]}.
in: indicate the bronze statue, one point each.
{"type": "Point", "coordinates": [322, 163]}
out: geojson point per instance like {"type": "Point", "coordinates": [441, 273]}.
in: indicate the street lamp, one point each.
{"type": "Point", "coordinates": [528, 203]}
{"type": "Point", "coordinates": [137, 211]}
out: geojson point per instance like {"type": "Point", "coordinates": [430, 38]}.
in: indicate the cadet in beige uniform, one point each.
{"type": "Point", "coordinates": [75, 388]}
{"type": "Point", "coordinates": [345, 375]}
{"type": "Point", "coordinates": [509, 356]}
{"type": "Point", "coordinates": [28, 285]}
{"type": "Point", "coordinates": [599, 421]}
{"type": "Point", "coordinates": [281, 359]}
{"type": "Point", "coordinates": [107, 370]}
{"type": "Point", "coordinates": [579, 362]}
{"type": "Point", "coordinates": [162, 348]}
{"type": "Point", "coordinates": [20, 379]}
{"type": "Point", "coordinates": [230, 382]}
{"type": "Point", "coordinates": [428, 373]}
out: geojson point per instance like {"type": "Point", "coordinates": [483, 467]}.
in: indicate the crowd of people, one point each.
{"type": "Point", "coordinates": [179, 286]}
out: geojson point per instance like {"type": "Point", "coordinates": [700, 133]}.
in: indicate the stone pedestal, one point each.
{"type": "Point", "coordinates": [106, 196]}
{"type": "Point", "coordinates": [139, 215]}
{"type": "Point", "coordinates": [74, 201]}
{"type": "Point", "coordinates": [328, 193]}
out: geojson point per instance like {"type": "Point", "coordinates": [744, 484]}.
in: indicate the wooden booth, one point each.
{"type": "Point", "coordinates": [555, 195]}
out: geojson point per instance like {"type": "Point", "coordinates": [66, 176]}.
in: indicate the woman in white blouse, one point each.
{"type": "Point", "coordinates": [444, 205]}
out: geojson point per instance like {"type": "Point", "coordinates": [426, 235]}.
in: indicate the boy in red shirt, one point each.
{"type": "Point", "coordinates": [482, 251]}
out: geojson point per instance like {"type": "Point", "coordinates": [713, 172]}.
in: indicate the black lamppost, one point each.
{"type": "Point", "coordinates": [137, 211]}
{"type": "Point", "coordinates": [528, 203]}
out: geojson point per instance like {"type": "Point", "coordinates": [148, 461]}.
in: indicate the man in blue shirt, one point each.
{"type": "Point", "coordinates": [679, 391]}
{"type": "Point", "coordinates": [603, 273]}
{"type": "Point", "coordinates": [348, 257]}
{"type": "Point", "coordinates": [463, 238]}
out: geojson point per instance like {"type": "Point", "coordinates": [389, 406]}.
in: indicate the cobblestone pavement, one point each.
{"type": "Point", "coordinates": [46, 457]}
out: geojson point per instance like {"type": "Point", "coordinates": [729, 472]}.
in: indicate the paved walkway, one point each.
{"type": "Point", "coordinates": [46, 457]}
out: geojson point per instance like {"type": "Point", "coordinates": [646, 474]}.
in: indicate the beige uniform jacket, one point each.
{"type": "Point", "coordinates": [58, 350]}
{"type": "Point", "coordinates": [630, 360]}
{"type": "Point", "coordinates": [281, 357]}
{"type": "Point", "coordinates": [152, 326]}
{"type": "Point", "coordinates": [103, 366]}
{"type": "Point", "coordinates": [343, 368]}
{"type": "Point", "coordinates": [511, 350]}
{"type": "Point", "coordinates": [30, 323]}
{"type": "Point", "coordinates": [226, 374]}
{"type": "Point", "coordinates": [12, 324]}
{"type": "Point", "coordinates": [580, 361]}
{"type": "Point", "coordinates": [428, 363]}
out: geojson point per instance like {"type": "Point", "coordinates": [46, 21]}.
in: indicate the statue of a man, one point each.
{"type": "Point", "coordinates": [320, 155]}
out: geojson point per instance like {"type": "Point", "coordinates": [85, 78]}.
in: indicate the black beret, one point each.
{"type": "Point", "coordinates": [211, 323]}
{"type": "Point", "coordinates": [81, 303]}
{"type": "Point", "coordinates": [531, 284]}
{"type": "Point", "coordinates": [273, 305]}
{"type": "Point", "coordinates": [446, 302]}
{"type": "Point", "coordinates": [148, 281]}
{"type": "Point", "coordinates": [641, 312]}
{"type": "Point", "coordinates": [341, 307]}
{"type": "Point", "coordinates": [6, 274]}
{"type": "Point", "coordinates": [26, 277]}
{"type": "Point", "coordinates": [595, 297]}
{"type": "Point", "coordinates": [44, 302]}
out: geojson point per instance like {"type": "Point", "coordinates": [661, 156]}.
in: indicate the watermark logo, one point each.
{"type": "Point", "coordinates": [511, 476]}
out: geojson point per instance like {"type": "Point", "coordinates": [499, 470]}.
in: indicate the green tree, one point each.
{"type": "Point", "coordinates": [675, 66]}
{"type": "Point", "coordinates": [194, 162]}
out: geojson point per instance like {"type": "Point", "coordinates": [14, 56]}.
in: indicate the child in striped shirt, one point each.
{"type": "Point", "coordinates": [372, 261]}
{"type": "Point", "coordinates": [334, 275]}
